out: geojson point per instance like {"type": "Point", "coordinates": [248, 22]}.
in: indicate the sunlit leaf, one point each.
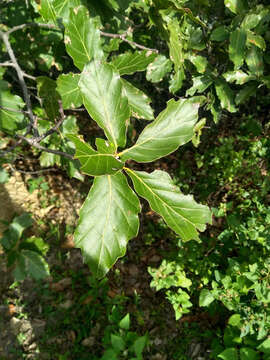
{"type": "Point", "coordinates": [101, 88]}
{"type": "Point", "coordinates": [82, 38]}
{"type": "Point", "coordinates": [225, 95]}
{"type": "Point", "coordinates": [108, 219]}
{"type": "Point", "coordinates": [131, 62]}
{"type": "Point", "coordinates": [139, 102]}
{"type": "Point", "coordinates": [236, 6]}
{"type": "Point", "coordinates": [237, 47]}
{"type": "Point", "coordinates": [67, 86]}
{"type": "Point", "coordinates": [158, 68]}
{"type": "Point", "coordinates": [200, 83]}
{"type": "Point", "coordinates": [180, 212]}
{"type": "Point", "coordinates": [94, 163]}
{"type": "Point", "coordinates": [254, 60]}
{"type": "Point", "coordinates": [172, 128]}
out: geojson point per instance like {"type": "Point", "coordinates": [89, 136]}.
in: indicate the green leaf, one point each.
{"type": "Point", "coordinates": [110, 354]}
{"type": "Point", "coordinates": [236, 6]}
{"type": "Point", "coordinates": [47, 92]}
{"type": "Point", "coordinates": [238, 76]}
{"type": "Point", "coordinates": [246, 91]}
{"type": "Point", "coordinates": [221, 33]}
{"type": "Point", "coordinates": [179, 211]}
{"type": "Point", "coordinates": [101, 88]}
{"type": "Point", "coordinates": [67, 86]}
{"type": "Point", "coordinates": [108, 219]}
{"type": "Point", "coordinates": [235, 320]}
{"type": "Point", "coordinates": [139, 102]}
{"type": "Point", "coordinates": [125, 322]}
{"type": "Point", "coordinates": [94, 163]}
{"type": "Point", "coordinates": [139, 345]}
{"type": "Point", "coordinates": [10, 120]}
{"type": "Point", "coordinates": [47, 11]}
{"type": "Point", "coordinates": [264, 346]}
{"type": "Point", "coordinates": [254, 60]}
{"type": "Point", "coordinates": [248, 354]}
{"type": "Point", "coordinates": [4, 176]}
{"type": "Point", "coordinates": [82, 38]}
{"type": "Point", "coordinates": [30, 263]}
{"type": "Point", "coordinates": [200, 62]}
{"type": "Point", "coordinates": [105, 147]}
{"type": "Point", "coordinates": [172, 128]}
{"type": "Point", "coordinates": [229, 354]}
{"type": "Point", "coordinates": [51, 10]}
{"type": "Point", "coordinates": [118, 343]}
{"type": "Point", "coordinates": [251, 21]}
{"type": "Point", "coordinates": [36, 244]}
{"type": "Point", "coordinates": [158, 69]}
{"type": "Point", "coordinates": [131, 62]}
{"type": "Point", "coordinates": [256, 40]}
{"type": "Point", "coordinates": [237, 47]}
{"type": "Point", "coordinates": [62, 8]}
{"type": "Point", "coordinates": [200, 84]}
{"type": "Point", "coordinates": [176, 80]}
{"type": "Point", "coordinates": [176, 44]}
{"type": "Point", "coordinates": [225, 95]}
{"type": "Point", "coordinates": [15, 230]}
{"type": "Point", "coordinates": [206, 298]}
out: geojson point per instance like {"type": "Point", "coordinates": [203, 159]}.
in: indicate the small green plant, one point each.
{"type": "Point", "coordinates": [123, 343]}
{"type": "Point", "coordinates": [168, 275]}
{"type": "Point", "coordinates": [25, 255]}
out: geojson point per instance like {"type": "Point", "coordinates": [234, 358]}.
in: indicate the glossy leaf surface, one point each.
{"type": "Point", "coordinates": [237, 47]}
{"type": "Point", "coordinates": [131, 62]}
{"type": "Point", "coordinates": [172, 128]}
{"type": "Point", "coordinates": [10, 120]}
{"type": "Point", "coordinates": [101, 88]}
{"type": "Point", "coordinates": [82, 38]}
{"type": "Point", "coordinates": [225, 95]}
{"type": "Point", "coordinates": [108, 219]}
{"type": "Point", "coordinates": [94, 163]}
{"type": "Point", "coordinates": [67, 86]}
{"type": "Point", "coordinates": [158, 69]}
{"type": "Point", "coordinates": [180, 212]}
{"type": "Point", "coordinates": [139, 102]}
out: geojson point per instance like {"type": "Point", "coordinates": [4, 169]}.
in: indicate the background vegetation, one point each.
{"type": "Point", "coordinates": [166, 299]}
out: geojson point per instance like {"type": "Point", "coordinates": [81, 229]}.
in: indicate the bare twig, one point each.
{"type": "Point", "coordinates": [54, 128]}
{"type": "Point", "coordinates": [123, 38]}
{"type": "Point", "coordinates": [23, 26]}
{"type": "Point", "coordinates": [7, 63]}
{"type": "Point", "coordinates": [13, 169]}
{"type": "Point", "coordinates": [33, 123]}
{"type": "Point", "coordinates": [43, 148]}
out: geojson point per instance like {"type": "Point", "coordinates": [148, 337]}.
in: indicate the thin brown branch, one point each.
{"type": "Point", "coordinates": [33, 143]}
{"type": "Point", "coordinates": [13, 169]}
{"type": "Point", "coordinates": [54, 128]}
{"type": "Point", "coordinates": [23, 26]}
{"type": "Point", "coordinates": [33, 122]}
{"type": "Point", "coordinates": [123, 38]}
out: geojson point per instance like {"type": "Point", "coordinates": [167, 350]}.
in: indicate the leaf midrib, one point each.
{"type": "Point", "coordinates": [156, 196]}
